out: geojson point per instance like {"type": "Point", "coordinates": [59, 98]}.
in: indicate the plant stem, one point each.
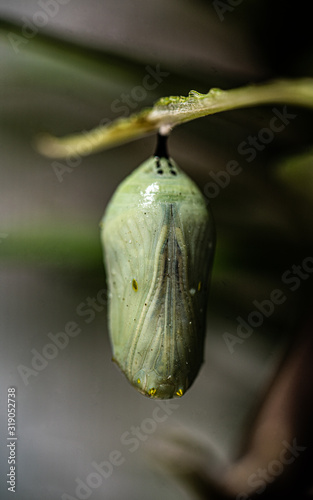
{"type": "Point", "coordinates": [171, 111]}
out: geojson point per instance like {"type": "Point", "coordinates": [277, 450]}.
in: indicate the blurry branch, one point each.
{"type": "Point", "coordinates": [276, 459]}
{"type": "Point", "coordinates": [175, 110]}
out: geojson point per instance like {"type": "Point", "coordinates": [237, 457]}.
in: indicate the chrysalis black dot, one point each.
{"type": "Point", "coordinates": [160, 172]}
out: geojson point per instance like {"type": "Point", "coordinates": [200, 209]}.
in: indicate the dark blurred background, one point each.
{"type": "Point", "coordinates": [67, 67]}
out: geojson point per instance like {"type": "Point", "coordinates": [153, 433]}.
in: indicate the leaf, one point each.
{"type": "Point", "coordinates": [296, 172]}
{"type": "Point", "coordinates": [174, 110]}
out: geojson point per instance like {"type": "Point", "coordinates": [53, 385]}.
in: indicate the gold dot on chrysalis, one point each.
{"type": "Point", "coordinates": [135, 285]}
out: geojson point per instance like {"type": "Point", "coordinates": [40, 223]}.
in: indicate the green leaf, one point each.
{"type": "Point", "coordinates": [174, 110]}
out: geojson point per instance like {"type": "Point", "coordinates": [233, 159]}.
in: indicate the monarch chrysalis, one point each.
{"type": "Point", "coordinates": [158, 240]}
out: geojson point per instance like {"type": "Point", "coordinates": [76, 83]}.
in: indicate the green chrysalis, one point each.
{"type": "Point", "coordinates": [158, 240]}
